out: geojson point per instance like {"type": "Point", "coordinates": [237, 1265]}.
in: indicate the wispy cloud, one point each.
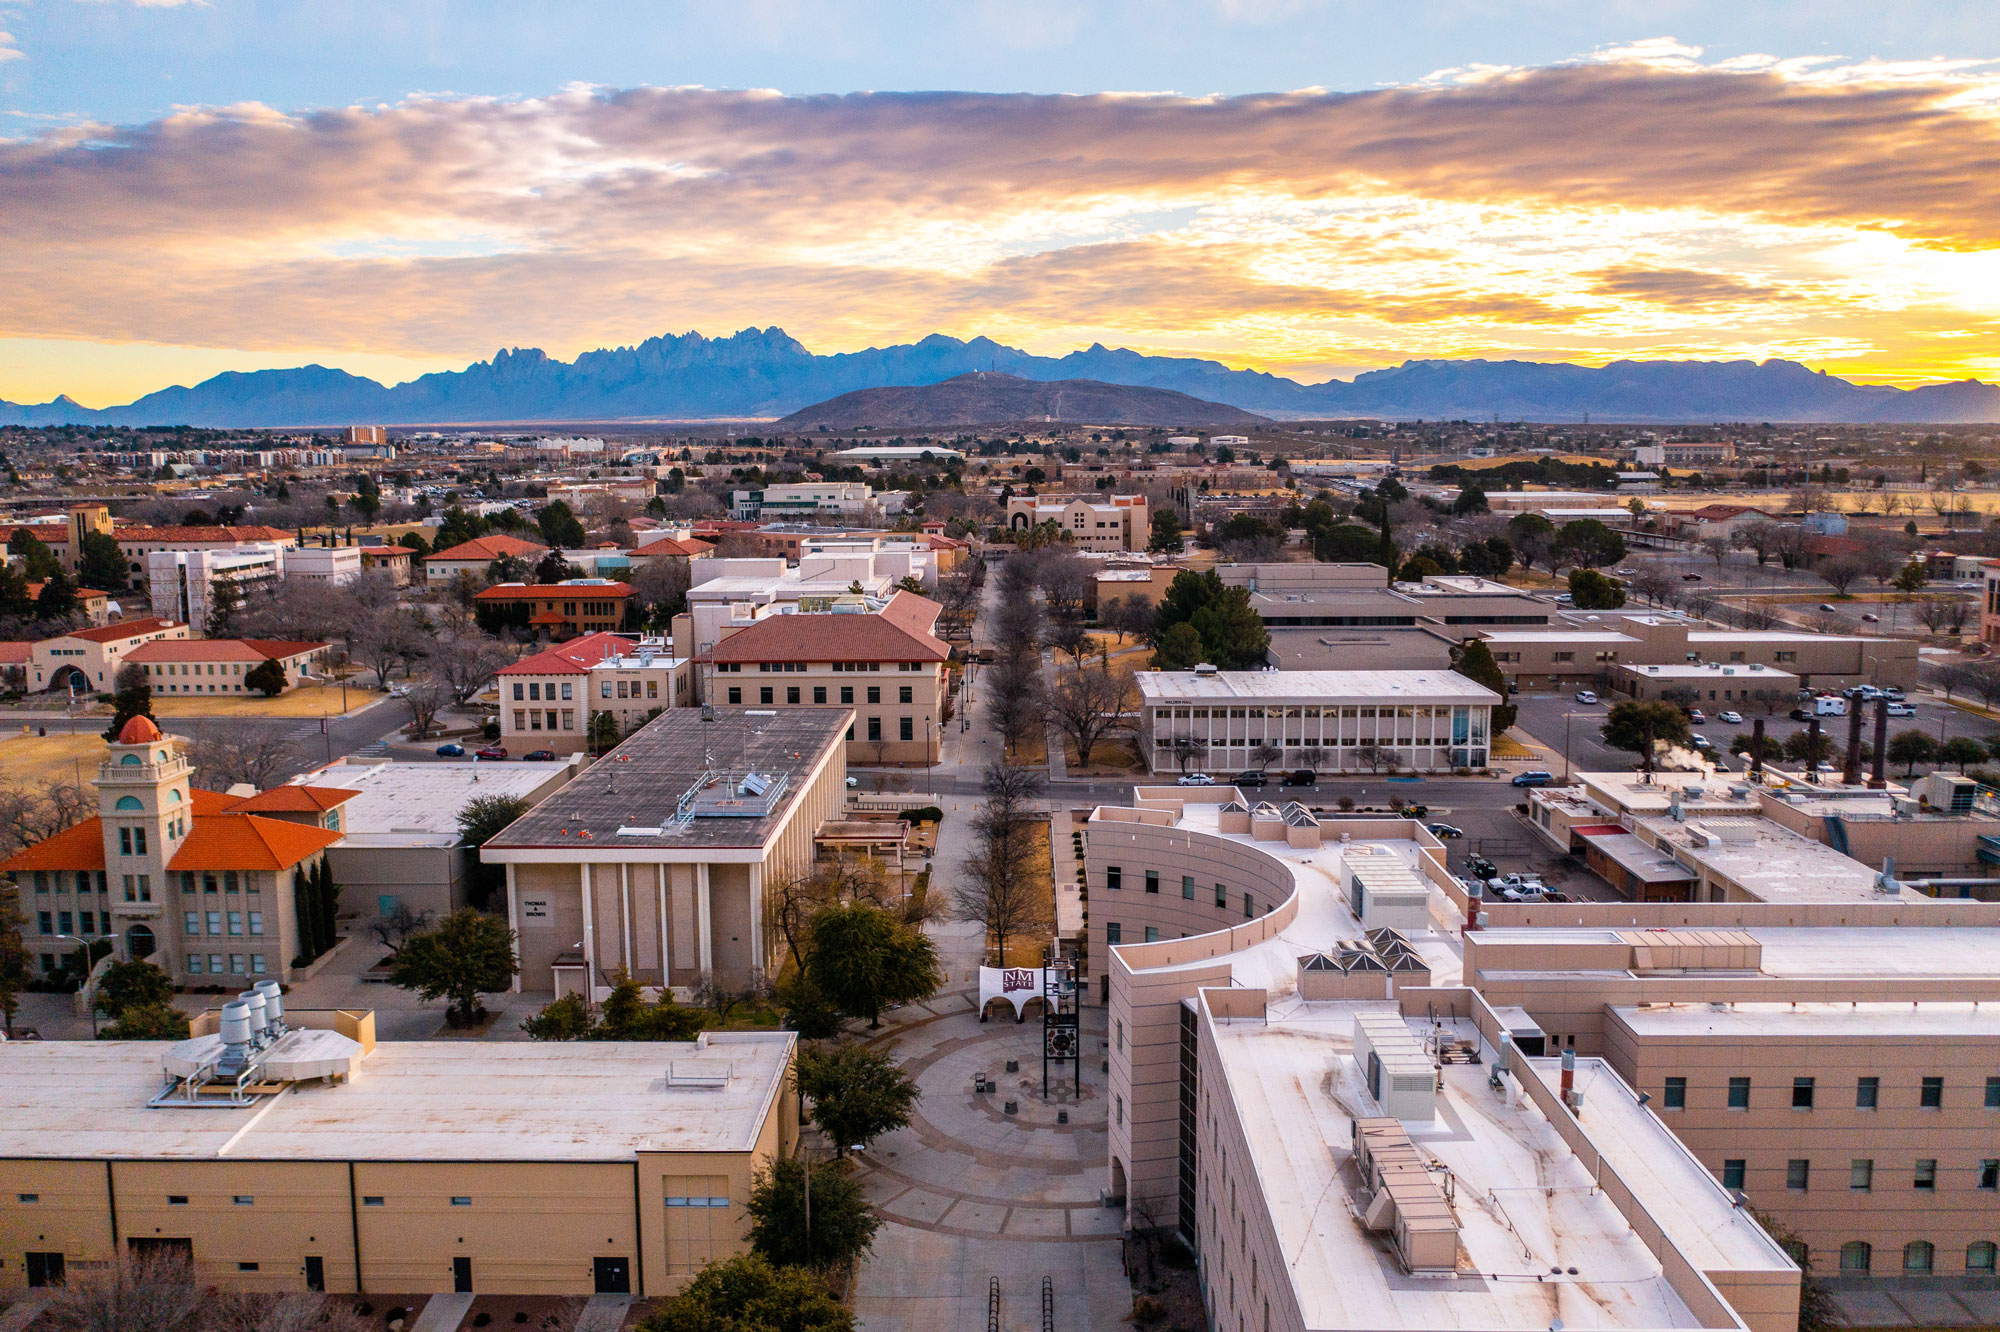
{"type": "Point", "coordinates": [1632, 200]}
{"type": "Point", "coordinates": [10, 49]}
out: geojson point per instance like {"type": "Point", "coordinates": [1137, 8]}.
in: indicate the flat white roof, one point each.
{"type": "Point", "coordinates": [1847, 1021]}
{"type": "Point", "coordinates": [407, 1101]}
{"type": "Point", "coordinates": [1768, 860]}
{"type": "Point", "coordinates": [417, 804]}
{"type": "Point", "coordinates": [1556, 636]}
{"type": "Point", "coordinates": [1734, 672]}
{"type": "Point", "coordinates": [1315, 687]}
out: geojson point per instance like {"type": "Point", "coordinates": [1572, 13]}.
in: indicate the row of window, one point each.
{"type": "Point", "coordinates": [232, 964]}
{"type": "Point", "coordinates": [228, 882]}
{"type": "Point", "coordinates": [534, 690]}
{"type": "Point", "coordinates": [47, 879]}
{"type": "Point", "coordinates": [1857, 1257]}
{"type": "Point", "coordinates": [537, 719]}
{"type": "Point", "coordinates": [225, 668]}
{"type": "Point", "coordinates": [1114, 879]}
{"type": "Point", "coordinates": [1805, 1092]}
{"type": "Point", "coordinates": [1861, 1174]}
{"type": "Point", "coordinates": [767, 694]}
{"type": "Point", "coordinates": [787, 667]}
{"type": "Point", "coordinates": [237, 921]}
{"type": "Point", "coordinates": [59, 922]}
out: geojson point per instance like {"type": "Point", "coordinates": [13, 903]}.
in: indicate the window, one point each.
{"type": "Point", "coordinates": [256, 922]}
{"type": "Point", "coordinates": [1114, 877]}
{"type": "Point", "coordinates": [1979, 1256]}
{"type": "Point", "coordinates": [372, 1200]}
{"type": "Point", "coordinates": [461, 1201]}
{"type": "Point", "coordinates": [1867, 1093]}
{"type": "Point", "coordinates": [874, 693]}
{"type": "Point", "coordinates": [535, 692]}
{"type": "Point", "coordinates": [566, 695]}
{"type": "Point", "coordinates": [1798, 1173]}
{"type": "Point", "coordinates": [1249, 909]}
{"type": "Point", "coordinates": [1732, 1174]}
{"type": "Point", "coordinates": [1739, 1093]}
{"type": "Point", "coordinates": [764, 694]}
{"type": "Point", "coordinates": [194, 964]}
{"type": "Point", "coordinates": [191, 922]}
{"type": "Point", "coordinates": [256, 964]}
{"type": "Point", "coordinates": [819, 693]}
{"type": "Point", "coordinates": [1187, 887]}
{"type": "Point", "coordinates": [906, 728]}
{"type": "Point", "coordinates": [1675, 1097]}
{"type": "Point", "coordinates": [1931, 1095]}
{"type": "Point", "coordinates": [1993, 1093]}
{"type": "Point", "coordinates": [735, 693]}
{"type": "Point", "coordinates": [1854, 1257]}
{"type": "Point", "coordinates": [905, 694]}
{"type": "Point", "coordinates": [1152, 934]}
{"type": "Point", "coordinates": [874, 728]}
{"type": "Point", "coordinates": [177, 1200]}
{"type": "Point", "coordinates": [246, 1267]}
{"type": "Point", "coordinates": [1221, 896]}
{"type": "Point", "coordinates": [215, 922]}
{"type": "Point", "coordinates": [847, 693]}
{"type": "Point", "coordinates": [1152, 881]}
{"type": "Point", "coordinates": [791, 693]}
{"type": "Point", "coordinates": [1860, 1175]}
{"type": "Point", "coordinates": [1918, 1255]}
{"type": "Point", "coordinates": [520, 692]}
{"type": "Point", "coordinates": [236, 923]}
{"type": "Point", "coordinates": [29, 1197]}
{"type": "Point", "coordinates": [1113, 933]}
{"type": "Point", "coordinates": [236, 964]}
{"type": "Point", "coordinates": [1989, 1174]}
{"type": "Point", "coordinates": [1926, 1174]}
{"type": "Point", "coordinates": [1802, 1093]}
{"type": "Point", "coordinates": [244, 1200]}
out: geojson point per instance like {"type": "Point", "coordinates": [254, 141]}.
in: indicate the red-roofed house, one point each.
{"type": "Point", "coordinates": [554, 610]}
{"type": "Point", "coordinates": [204, 885]}
{"type": "Point", "coordinates": [475, 555]}
{"type": "Point", "coordinates": [886, 664]}
{"type": "Point", "coordinates": [95, 605]}
{"type": "Point", "coordinates": [549, 701]}
{"type": "Point", "coordinates": [87, 660]}
{"type": "Point", "coordinates": [218, 665]}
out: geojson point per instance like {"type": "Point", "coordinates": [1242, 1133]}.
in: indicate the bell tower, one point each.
{"type": "Point", "coordinates": [144, 800]}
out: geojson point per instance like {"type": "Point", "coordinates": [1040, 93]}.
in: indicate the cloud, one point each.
{"type": "Point", "coordinates": [10, 49]}
{"type": "Point", "coordinates": [1637, 198]}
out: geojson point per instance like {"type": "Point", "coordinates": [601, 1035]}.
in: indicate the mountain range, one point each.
{"type": "Point", "coordinates": [761, 373]}
{"type": "Point", "coordinates": [983, 397]}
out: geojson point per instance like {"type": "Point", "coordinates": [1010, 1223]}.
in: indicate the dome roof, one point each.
{"type": "Point", "coordinates": [138, 731]}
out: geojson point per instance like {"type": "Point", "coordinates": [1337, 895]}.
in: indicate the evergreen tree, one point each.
{"type": "Point", "coordinates": [100, 563]}
{"type": "Point", "coordinates": [268, 677]}
{"type": "Point", "coordinates": [57, 599]}
{"type": "Point", "coordinates": [38, 562]}
{"type": "Point", "coordinates": [1474, 660]}
{"type": "Point", "coordinates": [134, 698]}
{"type": "Point", "coordinates": [825, 1229]}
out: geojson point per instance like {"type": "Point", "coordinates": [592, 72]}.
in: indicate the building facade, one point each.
{"type": "Point", "coordinates": [219, 665]}
{"type": "Point", "coordinates": [552, 699]}
{"type": "Point", "coordinates": [86, 661]}
{"type": "Point", "coordinates": [556, 610]}
{"type": "Point", "coordinates": [1113, 522]}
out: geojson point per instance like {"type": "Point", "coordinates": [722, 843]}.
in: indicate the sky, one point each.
{"type": "Point", "coordinates": [1311, 187]}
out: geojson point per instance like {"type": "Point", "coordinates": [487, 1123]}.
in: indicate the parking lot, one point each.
{"type": "Point", "coordinates": [1544, 716]}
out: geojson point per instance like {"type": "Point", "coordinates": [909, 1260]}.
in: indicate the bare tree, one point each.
{"type": "Point", "coordinates": [1841, 574]}
{"type": "Point", "coordinates": [289, 1311]}
{"type": "Point", "coordinates": [1717, 548]}
{"type": "Point", "coordinates": [1935, 612]}
{"type": "Point", "coordinates": [228, 753]}
{"type": "Point", "coordinates": [31, 814]}
{"type": "Point", "coordinates": [998, 883]}
{"type": "Point", "coordinates": [660, 586]}
{"type": "Point", "coordinates": [957, 595]}
{"type": "Point", "coordinates": [382, 637]}
{"type": "Point", "coordinates": [133, 1293]}
{"type": "Point", "coordinates": [466, 663]}
{"type": "Point", "coordinates": [1070, 638]}
{"type": "Point", "coordinates": [1984, 681]}
{"type": "Point", "coordinates": [1187, 749]}
{"type": "Point", "coordinates": [1085, 704]}
{"type": "Point", "coordinates": [1951, 677]}
{"type": "Point", "coordinates": [1653, 583]}
{"type": "Point", "coordinates": [423, 699]}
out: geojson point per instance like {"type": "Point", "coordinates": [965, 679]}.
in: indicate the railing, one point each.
{"type": "Point", "coordinates": [1048, 1305]}
{"type": "Point", "coordinates": [993, 1304]}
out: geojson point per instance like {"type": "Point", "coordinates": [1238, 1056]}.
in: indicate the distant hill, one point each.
{"type": "Point", "coordinates": [766, 373]}
{"type": "Point", "coordinates": [985, 398]}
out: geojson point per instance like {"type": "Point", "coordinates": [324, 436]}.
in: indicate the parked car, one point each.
{"type": "Point", "coordinates": [1195, 779]}
{"type": "Point", "coordinates": [1303, 777]}
{"type": "Point", "coordinates": [1565, 600]}
{"type": "Point", "coordinates": [539, 756]}
{"type": "Point", "coordinates": [1900, 709]}
{"type": "Point", "coordinates": [1829, 607]}
{"type": "Point", "coordinates": [1479, 867]}
{"type": "Point", "coordinates": [853, 783]}
{"type": "Point", "coordinates": [1893, 693]}
{"type": "Point", "coordinates": [1730, 715]}
{"type": "Point", "coordinates": [1870, 617]}
{"type": "Point", "coordinates": [1690, 578]}
{"type": "Point", "coordinates": [1700, 741]}
{"type": "Point", "coordinates": [1697, 716]}
{"type": "Point", "coordinates": [495, 752]}
{"type": "Point", "coordinates": [1538, 777]}
{"type": "Point", "coordinates": [1444, 830]}
{"type": "Point", "coordinates": [1586, 696]}
{"type": "Point", "coordinates": [1800, 714]}
{"type": "Point", "coordinates": [1250, 778]}
{"type": "Point", "coordinates": [451, 749]}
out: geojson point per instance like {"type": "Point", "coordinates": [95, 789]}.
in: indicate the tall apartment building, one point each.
{"type": "Point", "coordinates": [1112, 522]}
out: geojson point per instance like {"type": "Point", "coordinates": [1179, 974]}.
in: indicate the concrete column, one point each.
{"type": "Point", "coordinates": [514, 924]}
{"type": "Point", "coordinates": [703, 933]}
{"type": "Point", "coordinates": [666, 957]}
{"type": "Point", "coordinates": [757, 916]}
{"type": "Point", "coordinates": [625, 914]}
{"type": "Point", "coordinates": [589, 937]}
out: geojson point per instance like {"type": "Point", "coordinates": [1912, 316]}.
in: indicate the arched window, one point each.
{"type": "Point", "coordinates": [128, 802]}
{"type": "Point", "coordinates": [173, 796]}
{"type": "Point", "coordinates": [1917, 1256]}
{"type": "Point", "coordinates": [1855, 1256]}
{"type": "Point", "coordinates": [139, 942]}
{"type": "Point", "coordinates": [1979, 1256]}
{"type": "Point", "coordinates": [130, 761]}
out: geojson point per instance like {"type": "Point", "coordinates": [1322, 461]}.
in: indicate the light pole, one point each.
{"type": "Point", "coordinates": [85, 946]}
{"type": "Point", "coordinates": [930, 760]}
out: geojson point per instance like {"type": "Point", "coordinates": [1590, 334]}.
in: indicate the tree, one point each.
{"type": "Point", "coordinates": [1474, 660]}
{"type": "Point", "coordinates": [748, 1294]}
{"type": "Point", "coordinates": [1471, 499]}
{"type": "Point", "coordinates": [14, 973]}
{"type": "Point", "coordinates": [134, 1292]}
{"type": "Point", "coordinates": [56, 602]}
{"type": "Point", "coordinates": [225, 599]}
{"type": "Point", "coordinates": [1817, 1310]}
{"type": "Point", "coordinates": [1799, 747]}
{"type": "Point", "coordinates": [134, 698]}
{"type": "Point", "coordinates": [857, 1093]}
{"type": "Point", "coordinates": [1744, 742]}
{"type": "Point", "coordinates": [825, 1227]}
{"type": "Point", "coordinates": [466, 663]}
{"type": "Point", "coordinates": [1533, 537]}
{"type": "Point", "coordinates": [1166, 537]}
{"type": "Point", "coordinates": [1653, 583]}
{"type": "Point", "coordinates": [228, 753]}
{"type": "Point", "coordinates": [1491, 558]}
{"type": "Point", "coordinates": [1841, 574]}
{"type": "Point", "coordinates": [1587, 543]}
{"type": "Point", "coordinates": [553, 568]}
{"type": "Point", "coordinates": [38, 562]}
{"type": "Point", "coordinates": [1232, 634]}
{"type": "Point", "coordinates": [469, 954]}
{"type": "Point", "coordinates": [1910, 748]}
{"type": "Point", "coordinates": [660, 588]}
{"type": "Point", "coordinates": [1179, 649]}
{"type": "Point", "coordinates": [267, 677]}
{"type": "Point", "coordinates": [100, 564]}
{"type": "Point", "coordinates": [559, 525]}
{"type": "Point", "coordinates": [623, 1016]}
{"type": "Point", "coordinates": [1717, 547]}
{"type": "Point", "coordinates": [864, 960]}
{"type": "Point", "coordinates": [1962, 749]}
{"type": "Point", "coordinates": [423, 700]}
{"type": "Point", "coordinates": [152, 1020]}
{"type": "Point", "coordinates": [1637, 726]}
{"type": "Point", "coordinates": [483, 819]}
{"type": "Point", "coordinates": [1000, 884]}
{"type": "Point", "coordinates": [125, 984]}
{"type": "Point", "coordinates": [1591, 590]}
{"type": "Point", "coordinates": [1086, 702]}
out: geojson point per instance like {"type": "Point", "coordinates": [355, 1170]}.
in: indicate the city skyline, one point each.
{"type": "Point", "coordinates": [1569, 186]}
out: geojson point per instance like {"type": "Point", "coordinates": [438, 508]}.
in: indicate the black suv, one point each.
{"type": "Point", "coordinates": [1303, 777]}
{"type": "Point", "coordinates": [1249, 779]}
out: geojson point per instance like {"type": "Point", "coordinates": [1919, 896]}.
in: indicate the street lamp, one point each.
{"type": "Point", "coordinates": [1566, 720]}
{"type": "Point", "coordinates": [84, 944]}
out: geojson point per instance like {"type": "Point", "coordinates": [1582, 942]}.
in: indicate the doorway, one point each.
{"type": "Point", "coordinates": [461, 1275]}
{"type": "Point", "coordinates": [45, 1269]}
{"type": "Point", "coordinates": [315, 1272]}
{"type": "Point", "coordinates": [614, 1275]}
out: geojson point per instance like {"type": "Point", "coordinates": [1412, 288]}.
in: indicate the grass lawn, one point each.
{"type": "Point", "coordinates": [1025, 950]}
{"type": "Point", "coordinates": [1114, 755]}
{"type": "Point", "coordinates": [32, 761]}
{"type": "Point", "coordinates": [305, 701]}
{"type": "Point", "coordinates": [1506, 746]}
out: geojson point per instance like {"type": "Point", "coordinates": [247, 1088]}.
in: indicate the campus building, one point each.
{"type": "Point", "coordinates": [1339, 721]}
{"type": "Point", "coordinates": [558, 610]}
{"type": "Point", "coordinates": [219, 665]}
{"type": "Point", "coordinates": [551, 699]}
{"type": "Point", "coordinates": [1110, 522]}
{"type": "Point", "coordinates": [658, 860]}
{"type": "Point", "coordinates": [558, 1168]}
{"type": "Point", "coordinates": [86, 661]}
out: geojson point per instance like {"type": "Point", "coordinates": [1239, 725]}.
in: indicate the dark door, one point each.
{"type": "Point", "coordinates": [461, 1275]}
{"type": "Point", "coordinates": [614, 1276]}
{"type": "Point", "coordinates": [45, 1269]}
{"type": "Point", "coordinates": [315, 1272]}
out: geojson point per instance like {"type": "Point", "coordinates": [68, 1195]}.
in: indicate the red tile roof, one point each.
{"type": "Point", "coordinates": [575, 657]}
{"type": "Point", "coordinates": [75, 848]}
{"type": "Point", "coordinates": [900, 631]}
{"type": "Point", "coordinates": [675, 546]}
{"type": "Point", "coordinates": [220, 649]}
{"type": "Point", "coordinates": [16, 654]}
{"type": "Point", "coordinates": [530, 591]}
{"type": "Point", "coordinates": [121, 630]}
{"type": "Point", "coordinates": [49, 534]}
{"type": "Point", "coordinates": [84, 593]}
{"type": "Point", "coordinates": [206, 535]}
{"type": "Point", "coordinates": [488, 548]}
{"type": "Point", "coordinates": [246, 842]}
{"type": "Point", "coordinates": [295, 800]}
